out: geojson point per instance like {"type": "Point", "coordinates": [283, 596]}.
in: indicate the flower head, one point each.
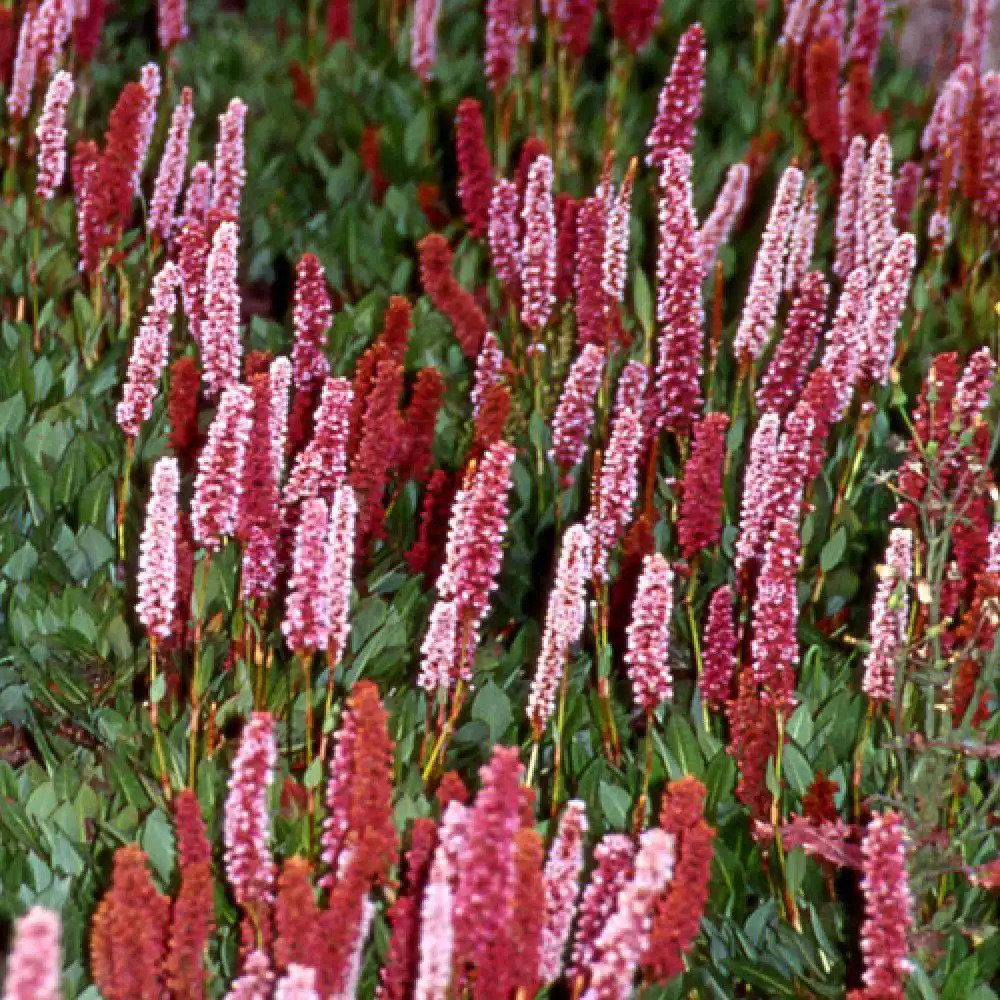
{"type": "Point", "coordinates": [538, 251]}
{"type": "Point", "coordinates": [700, 522]}
{"type": "Point", "coordinates": [592, 306]}
{"type": "Point", "coordinates": [423, 38]}
{"type": "Point", "coordinates": [475, 172]}
{"type": "Point", "coordinates": [728, 207]}
{"type": "Point", "coordinates": [680, 100]}
{"type": "Point", "coordinates": [850, 248]}
{"type": "Point", "coordinates": [803, 239]}
{"type": "Point", "coordinates": [719, 646]}
{"type": "Point", "coordinates": [307, 611]}
{"type": "Point", "coordinates": [616, 239]}
{"type": "Point", "coordinates": [890, 615]}
{"type": "Point", "coordinates": [170, 176]}
{"type": "Point", "coordinates": [448, 296]}
{"type": "Point", "coordinates": [157, 583]}
{"type": "Point", "coordinates": [25, 65]}
{"type": "Point", "coordinates": [866, 32]}
{"type": "Point", "coordinates": [504, 234]}
{"type": "Point", "coordinates": [322, 465]}
{"type": "Point", "coordinates": [885, 307]}
{"type": "Point", "coordinates": [171, 22]}
{"type": "Point", "coordinates": [229, 172]}
{"type": "Point", "coordinates": [503, 36]}
{"type": "Point", "coordinates": [649, 634]}
{"type": "Point", "coordinates": [563, 869]}
{"type": "Point", "coordinates": [876, 230]}
{"type": "Point", "coordinates": [574, 416]}
{"type": "Point", "coordinates": [845, 343]}
{"type": "Point", "coordinates": [51, 135]}
{"type": "Point", "coordinates": [219, 327]}
{"type": "Point", "coordinates": [633, 21]}
{"type": "Point", "coordinates": [198, 197]}
{"type": "Point", "coordinates": [34, 965]}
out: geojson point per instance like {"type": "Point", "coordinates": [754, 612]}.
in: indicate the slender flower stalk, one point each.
{"type": "Point", "coordinates": [25, 65]}
{"type": "Point", "coordinates": [475, 172]}
{"type": "Point", "coordinates": [700, 523]}
{"type": "Point", "coordinates": [755, 520]}
{"type": "Point", "coordinates": [343, 519]}
{"type": "Point", "coordinates": [504, 234]}
{"type": "Point", "coordinates": [439, 651]}
{"type": "Point", "coordinates": [149, 353]}
{"type": "Point", "coordinates": [885, 308]}
{"type": "Point", "coordinates": [198, 197]}
{"type": "Point", "coordinates": [849, 249]}
{"type": "Point", "coordinates": [616, 239]}
{"type": "Point", "coordinates": [423, 38]}
{"type": "Point", "coordinates": [51, 135]}
{"type": "Point", "coordinates": [538, 251]}
{"type": "Point", "coordinates": [803, 239]}
{"type": "Point", "coordinates": [322, 465]}
{"type": "Point", "coordinates": [157, 582]}
{"type": "Point", "coordinates": [229, 172]}
{"type": "Point", "coordinates": [866, 32]}
{"type": "Point", "coordinates": [680, 99]}
{"type": "Point", "coordinates": [311, 317]}
{"type": "Point", "coordinates": [437, 931]}
{"type": "Point", "coordinates": [649, 635]}
{"type": "Point", "coordinates": [34, 965]}
{"type": "Point", "coordinates": [719, 657]}
{"type": "Point", "coordinates": [728, 207]}
{"type": "Point", "coordinates": [149, 79]}
{"type": "Point", "coordinates": [566, 616]}
{"type": "Point", "coordinates": [307, 611]}
{"type": "Point", "coordinates": [503, 36]}
{"type": "Point", "coordinates": [170, 176]}
{"type": "Point", "coordinates": [489, 371]}
{"type": "Point", "coordinates": [761, 305]}
{"type": "Point", "coordinates": [876, 229]}
{"type": "Point", "coordinates": [845, 344]}
{"type": "Point", "coordinates": [219, 329]}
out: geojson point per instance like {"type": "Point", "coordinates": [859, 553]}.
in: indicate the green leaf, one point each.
{"type": "Point", "coordinates": [684, 756]}
{"type": "Point", "coordinates": [755, 974]}
{"type": "Point", "coordinates": [314, 774]}
{"type": "Point", "coordinates": [158, 689]}
{"type": "Point", "coordinates": [492, 706]}
{"type": "Point", "coordinates": [833, 550]}
{"type": "Point", "coordinates": [959, 984]}
{"type": "Point", "coordinates": [615, 804]}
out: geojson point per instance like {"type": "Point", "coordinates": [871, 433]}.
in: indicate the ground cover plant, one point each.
{"type": "Point", "coordinates": [498, 500]}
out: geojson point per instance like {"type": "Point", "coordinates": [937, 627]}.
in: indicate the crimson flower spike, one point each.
{"type": "Point", "coordinates": [680, 100]}
{"type": "Point", "coordinates": [475, 172]}
{"type": "Point", "coordinates": [648, 650]}
{"type": "Point", "coordinates": [890, 616]}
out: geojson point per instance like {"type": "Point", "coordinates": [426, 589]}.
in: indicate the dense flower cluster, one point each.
{"type": "Point", "coordinates": [448, 296]}
{"type": "Point", "coordinates": [307, 610]}
{"type": "Point", "coordinates": [504, 234]}
{"type": "Point", "coordinates": [803, 239]}
{"type": "Point", "coordinates": [51, 135]}
{"type": "Point", "coordinates": [885, 308]}
{"type": "Point", "coordinates": [574, 416]}
{"type": "Point", "coordinates": [890, 614]}
{"type": "Point", "coordinates": [171, 22]}
{"type": "Point", "coordinates": [34, 965]}
{"type": "Point", "coordinates": [680, 99]}
{"type": "Point", "coordinates": [538, 250]}
{"type": "Point", "coordinates": [423, 38]}
{"type": "Point", "coordinates": [475, 180]}
{"type": "Point", "coordinates": [563, 870]}
{"type": "Point", "coordinates": [592, 306]}
{"type": "Point", "coordinates": [755, 510]}
{"type": "Point", "coordinates": [849, 249]}
{"type": "Point", "coordinates": [719, 650]}
{"type": "Point", "coordinates": [322, 465]}
{"type": "Point", "coordinates": [503, 36]}
{"type": "Point", "coordinates": [157, 582]}
{"type": "Point", "coordinates": [170, 175]}
{"type": "Point", "coordinates": [700, 523]}
{"type": "Point", "coordinates": [229, 174]}
{"type": "Point", "coordinates": [649, 635]}
{"type": "Point", "coordinates": [219, 326]}
{"type": "Point", "coordinates": [616, 239]}
{"type": "Point", "coordinates": [633, 21]}
{"type": "Point", "coordinates": [726, 210]}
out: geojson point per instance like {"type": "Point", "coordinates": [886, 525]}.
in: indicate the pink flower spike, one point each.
{"type": "Point", "coordinates": [755, 520]}
{"type": "Point", "coordinates": [343, 519]}
{"type": "Point", "coordinates": [888, 907]}
{"type": "Point", "coordinates": [503, 36]}
{"type": "Point", "coordinates": [157, 583]}
{"type": "Point", "coordinates": [170, 176]}
{"type": "Point", "coordinates": [230, 173]}
{"type": "Point", "coordinates": [219, 329]}
{"type": "Point", "coordinates": [972, 394]}
{"type": "Point", "coordinates": [25, 65]}
{"type": "Point", "coordinates": [538, 253]}
{"type": "Point", "coordinates": [564, 621]}
{"type": "Point", "coordinates": [616, 241]}
{"type": "Point", "coordinates": [51, 135]}
{"type": "Point", "coordinates": [591, 306]}
{"type": "Point", "coordinates": [171, 22]}
{"type": "Point", "coordinates": [846, 341]}
{"type": "Point", "coordinates": [803, 240]}
{"type": "Point", "coordinates": [280, 378]}
{"type": "Point", "coordinates": [246, 820]}
{"type": "Point", "coordinates": [150, 352]}
{"type": "Point", "coordinates": [489, 371]}
{"type": "Point", "coordinates": [574, 416]}
{"type": "Point", "coordinates": [503, 234]}
{"type": "Point", "coordinates": [423, 38]}
{"type": "Point", "coordinates": [626, 935]}
{"type": "Point", "coordinates": [649, 635]}
{"type": "Point", "coordinates": [34, 965]}
{"type": "Point", "coordinates": [976, 32]}
{"type": "Point", "coordinates": [761, 305]}
{"type": "Point", "coordinates": [311, 316]}
{"type": "Point", "coordinates": [437, 932]}
{"type": "Point", "coordinates": [563, 869]}
{"type": "Point", "coordinates": [728, 207]}
{"type": "Point", "coordinates": [716, 678]}
{"type": "Point", "coordinates": [850, 250]}
{"type": "Point", "coordinates": [149, 78]}
{"type": "Point", "coordinates": [254, 981]}
{"type": "Point", "coordinates": [866, 32]}
{"type": "Point", "coordinates": [876, 229]}
{"type": "Point", "coordinates": [219, 482]}
{"type": "Point", "coordinates": [299, 983]}
{"type": "Point", "coordinates": [680, 99]}
{"type": "Point", "coordinates": [797, 15]}
{"type": "Point", "coordinates": [53, 25]}
{"type": "Point", "coordinates": [890, 616]}
{"type": "Point", "coordinates": [307, 611]}
{"type": "Point", "coordinates": [885, 308]}
{"type": "Point", "coordinates": [198, 198]}
{"type": "Point", "coordinates": [439, 652]}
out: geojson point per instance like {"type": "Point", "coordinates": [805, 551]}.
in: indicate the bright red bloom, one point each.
{"type": "Point", "coordinates": [448, 296]}
{"type": "Point", "coordinates": [576, 24]}
{"type": "Point", "coordinates": [700, 522]}
{"type": "Point", "coordinates": [475, 172]}
{"type": "Point", "coordinates": [719, 656]}
{"type": "Point", "coordinates": [566, 213]}
{"type": "Point", "coordinates": [592, 306]}
{"type": "Point", "coordinates": [633, 21]}
{"type": "Point", "coordinates": [678, 910]}
{"type": "Point", "coordinates": [296, 915]}
{"type": "Point", "coordinates": [427, 552]}
{"type": "Point", "coordinates": [339, 21]}
{"type": "Point", "coordinates": [114, 184]}
{"type": "Point", "coordinates": [492, 418]}
{"type": "Point", "coordinates": [128, 931]}
{"type": "Point", "coordinates": [418, 422]}
{"type": "Point", "coordinates": [822, 97]}
{"type": "Point", "coordinates": [753, 737]}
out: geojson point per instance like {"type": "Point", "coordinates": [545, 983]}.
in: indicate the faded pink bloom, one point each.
{"type": "Point", "coordinates": [230, 173]}
{"type": "Point", "coordinates": [755, 518]}
{"type": "Point", "coordinates": [850, 250]}
{"type": "Point", "coordinates": [943, 132]}
{"type": "Point", "coordinates": [888, 907]}
{"type": "Point", "coordinates": [616, 240]}
{"type": "Point", "coordinates": [649, 634]}
{"type": "Point", "coordinates": [680, 316]}
{"type": "Point", "coordinates": [715, 682]}
{"type": "Point", "coordinates": [614, 859]}
{"type": "Point", "coordinates": [489, 371]}
{"type": "Point", "coordinates": [34, 965]}
{"type": "Point", "coordinates": [845, 343]}
{"type": "Point", "coordinates": [993, 558]}
{"type": "Point", "coordinates": [254, 982]}
{"type": "Point", "coordinates": [905, 191]}
{"type": "Point", "coordinates": [474, 549]}
{"type": "Point", "coordinates": [797, 15]}
{"type": "Point", "coordinates": [51, 135]}
{"type": "Point", "coordinates": [538, 252]}
{"type": "Point", "coordinates": [574, 416]}
{"type": "Point", "coordinates": [781, 385]}
{"type": "Point", "coordinates": [866, 32]}
{"type": "Point", "coordinates": [149, 78]}
{"type": "Point", "coordinates": [630, 393]}
{"type": "Point", "coordinates": [343, 519]}
{"type": "Point", "coordinates": [171, 22]}
{"type": "Point", "coordinates": [728, 207]}
{"type": "Point", "coordinates": [876, 229]}
{"type": "Point", "coordinates": [504, 234]}
{"type": "Point", "coordinates": [25, 66]}
{"type": "Point", "coordinates": [976, 32]}
{"type": "Point", "coordinates": [334, 850]}
{"type": "Point", "coordinates": [307, 611]}
{"type": "Point", "coordinates": [564, 621]}
{"type": "Point", "coordinates": [349, 989]}
{"type": "Point", "coordinates": [625, 936]}
{"type": "Point", "coordinates": [150, 352]}
{"type": "Point", "coordinates": [280, 377]}
{"type": "Point", "coordinates": [885, 307]}
{"type": "Point", "coordinates": [219, 330]}
{"type": "Point", "coordinates": [311, 316]}
{"type": "Point", "coordinates": [611, 509]}
{"type": "Point", "coordinates": [764, 293]}
{"type": "Point", "coordinates": [437, 932]}
{"type": "Point", "coordinates": [988, 200]}
{"type": "Point", "coordinates": [322, 465]}
{"type": "Point", "coordinates": [439, 651]}
{"type": "Point", "coordinates": [52, 27]}
{"type": "Point", "coordinates": [939, 230]}
{"type": "Point", "coordinates": [246, 827]}
{"type": "Point", "coordinates": [423, 38]}
{"type": "Point", "coordinates": [680, 99]}
{"type": "Point", "coordinates": [157, 581]}
{"type": "Point", "coordinates": [198, 197]}
{"type": "Point", "coordinates": [803, 239]}
{"type": "Point", "coordinates": [775, 647]}
{"type": "Point", "coordinates": [563, 869]}
{"type": "Point", "coordinates": [299, 983]}
{"type": "Point", "coordinates": [170, 176]}
{"type": "Point", "coordinates": [890, 616]}
{"type": "Point", "coordinates": [192, 249]}
{"type": "Point", "coordinates": [503, 36]}
{"type": "Point", "coordinates": [219, 482]}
